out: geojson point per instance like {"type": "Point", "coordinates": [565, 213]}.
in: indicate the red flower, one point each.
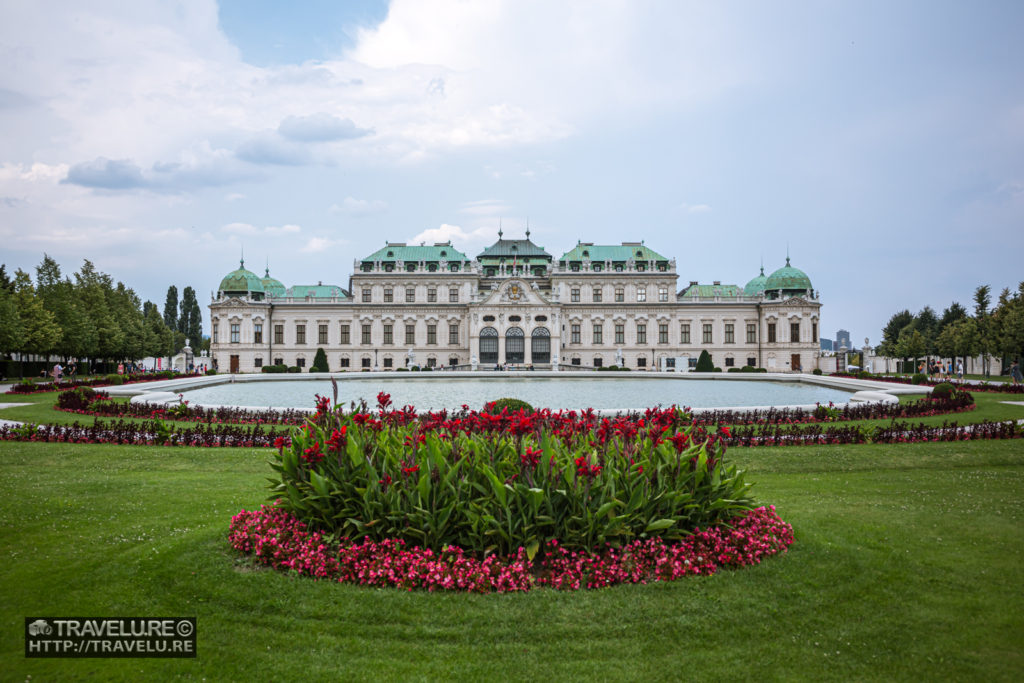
{"type": "Point", "coordinates": [337, 440]}
{"type": "Point", "coordinates": [679, 441]}
{"type": "Point", "coordinates": [280, 442]}
{"type": "Point", "coordinates": [312, 455]}
{"type": "Point", "coordinates": [531, 458]}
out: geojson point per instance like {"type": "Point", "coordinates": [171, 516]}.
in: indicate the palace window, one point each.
{"type": "Point", "coordinates": [410, 295]}
{"type": "Point", "coordinates": [662, 293]}
{"type": "Point", "coordinates": [620, 295]}
{"type": "Point", "coordinates": [730, 333]}
{"type": "Point", "coordinates": [235, 335]}
{"type": "Point", "coordinates": [431, 362]}
{"type": "Point", "coordinates": [367, 334]}
{"type": "Point", "coordinates": [620, 333]}
{"type": "Point", "coordinates": [574, 334]}
{"type": "Point", "coordinates": [258, 362]}
{"type": "Point", "coordinates": [389, 295]}
{"type": "Point", "coordinates": [366, 295]}
{"type": "Point", "coordinates": [663, 333]}
{"type": "Point", "coordinates": [598, 333]}
{"type": "Point", "coordinates": [322, 334]}
{"type": "Point", "coordinates": [752, 362]}
{"type": "Point", "coordinates": [641, 362]}
{"type": "Point", "coordinates": [213, 337]}
{"type": "Point", "coordinates": [684, 333]}
{"type": "Point", "coordinates": [453, 295]}
{"type": "Point", "coordinates": [597, 293]}
{"type": "Point", "coordinates": [366, 363]}
{"type": "Point", "coordinates": [641, 333]}
{"type": "Point", "coordinates": [410, 333]}
{"type": "Point", "coordinates": [389, 334]}
{"type": "Point", "coordinates": [641, 294]}
{"type": "Point", "coordinates": [388, 363]}
{"type": "Point", "coordinates": [814, 331]}
{"type": "Point", "coordinates": [345, 361]}
{"type": "Point", "coordinates": [453, 334]}
{"type": "Point", "coordinates": [794, 332]}
{"type": "Point", "coordinates": [771, 333]}
{"type": "Point", "coordinates": [257, 333]}
{"type": "Point", "coordinates": [300, 334]}
{"type": "Point", "coordinates": [706, 338]}
{"type": "Point", "coordinates": [300, 362]}
{"type": "Point", "coordinates": [278, 335]}
{"type": "Point", "coordinates": [574, 294]}
{"type": "Point", "coordinates": [346, 337]}
{"type": "Point", "coordinates": [575, 361]}
{"type": "Point", "coordinates": [751, 333]}
{"type": "Point", "coordinates": [431, 334]}
{"type": "Point", "coordinates": [432, 294]}
{"type": "Point", "coordinates": [730, 362]}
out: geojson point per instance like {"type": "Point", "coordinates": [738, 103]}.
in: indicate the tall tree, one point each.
{"type": "Point", "coordinates": [5, 281]}
{"type": "Point", "coordinates": [171, 308]}
{"type": "Point", "coordinates": [195, 322]}
{"type": "Point", "coordinates": [11, 331]}
{"type": "Point", "coordinates": [951, 315]}
{"type": "Point", "coordinates": [982, 299]}
{"type": "Point", "coordinates": [188, 310]}
{"type": "Point", "coordinates": [892, 329]}
{"type": "Point", "coordinates": [40, 331]}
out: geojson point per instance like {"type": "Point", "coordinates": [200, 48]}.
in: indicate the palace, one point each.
{"type": "Point", "coordinates": [514, 303]}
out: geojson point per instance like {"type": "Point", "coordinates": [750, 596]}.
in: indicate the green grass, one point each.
{"type": "Point", "coordinates": [907, 566]}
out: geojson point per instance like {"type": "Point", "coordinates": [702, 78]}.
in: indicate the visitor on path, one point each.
{"type": "Point", "coordinates": [960, 370]}
{"type": "Point", "coordinates": [57, 371]}
{"type": "Point", "coordinates": [1015, 373]}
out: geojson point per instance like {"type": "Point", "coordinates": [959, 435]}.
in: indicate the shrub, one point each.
{"type": "Point", "coordinates": [275, 368]}
{"type": "Point", "coordinates": [294, 369]}
{"type": "Point", "coordinates": [211, 371]}
{"type": "Point", "coordinates": [415, 368]}
{"type": "Point", "coordinates": [918, 378]}
{"type": "Point", "coordinates": [491, 485]}
{"type": "Point", "coordinates": [319, 361]}
{"type": "Point", "coordinates": [717, 369]}
{"type": "Point", "coordinates": [864, 374]}
{"type": "Point", "coordinates": [816, 371]}
{"type": "Point", "coordinates": [512, 405]}
{"type": "Point", "coordinates": [944, 390]}
{"type": "Point", "coordinates": [78, 399]}
{"type": "Point", "coordinates": [704, 363]}
{"type": "Point", "coordinates": [115, 379]}
{"type": "Point", "coordinates": [737, 370]}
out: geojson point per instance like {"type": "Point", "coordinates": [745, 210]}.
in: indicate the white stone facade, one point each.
{"type": "Point", "coordinates": [585, 315]}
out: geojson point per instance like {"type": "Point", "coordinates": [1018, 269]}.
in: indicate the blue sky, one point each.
{"type": "Point", "coordinates": [882, 142]}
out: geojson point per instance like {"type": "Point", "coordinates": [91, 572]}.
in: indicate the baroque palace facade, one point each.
{"type": "Point", "coordinates": [596, 305]}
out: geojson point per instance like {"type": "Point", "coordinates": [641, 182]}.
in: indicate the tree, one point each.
{"type": "Point", "coordinates": [960, 339]}
{"type": "Point", "coordinates": [704, 363]}
{"type": "Point", "coordinates": [951, 315]}
{"type": "Point", "coordinates": [892, 329]}
{"type": "Point", "coordinates": [39, 330]}
{"type": "Point", "coordinates": [982, 299]}
{"type": "Point", "coordinates": [171, 308]}
{"type": "Point", "coordinates": [195, 320]}
{"type": "Point", "coordinates": [911, 344]}
{"type": "Point", "coordinates": [78, 335]}
{"type": "Point", "coordinates": [11, 331]}
{"type": "Point", "coordinates": [319, 361]}
{"type": "Point", "coordinates": [928, 324]}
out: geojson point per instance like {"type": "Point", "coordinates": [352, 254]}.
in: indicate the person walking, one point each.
{"type": "Point", "coordinates": [1015, 373]}
{"type": "Point", "coordinates": [960, 369]}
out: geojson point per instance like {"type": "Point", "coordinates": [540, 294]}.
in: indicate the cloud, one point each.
{"type": "Point", "coordinates": [469, 241]}
{"type": "Point", "coordinates": [351, 206]}
{"type": "Point", "coordinates": [320, 127]}
{"type": "Point", "coordinates": [269, 149]}
{"type": "Point", "coordinates": [233, 196]}
{"type": "Point", "coordinates": [695, 208]}
{"type": "Point", "coordinates": [106, 174]}
{"type": "Point", "coordinates": [319, 244]}
{"type": "Point", "coordinates": [249, 229]}
{"type": "Point", "coordinates": [485, 207]}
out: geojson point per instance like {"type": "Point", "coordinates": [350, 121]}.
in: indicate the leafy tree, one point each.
{"type": "Point", "coordinates": [960, 339]}
{"type": "Point", "coordinates": [195, 320]}
{"type": "Point", "coordinates": [911, 344]}
{"type": "Point", "coordinates": [11, 331]}
{"type": "Point", "coordinates": [78, 335]}
{"type": "Point", "coordinates": [319, 361]}
{"type": "Point", "coordinates": [39, 329]}
{"type": "Point", "coordinates": [5, 281]}
{"type": "Point", "coordinates": [928, 324]}
{"type": "Point", "coordinates": [95, 289]}
{"type": "Point", "coordinates": [704, 363]}
{"type": "Point", "coordinates": [171, 308]}
{"type": "Point", "coordinates": [951, 315]}
{"type": "Point", "coordinates": [982, 300]}
{"type": "Point", "coordinates": [891, 331]}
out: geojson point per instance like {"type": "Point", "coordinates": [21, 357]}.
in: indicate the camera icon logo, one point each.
{"type": "Point", "coordinates": [39, 627]}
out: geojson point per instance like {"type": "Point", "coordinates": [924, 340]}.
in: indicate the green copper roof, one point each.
{"type": "Point", "coordinates": [507, 249]}
{"type": "Point", "coordinates": [756, 286]}
{"type": "Point", "coordinates": [612, 252]}
{"type": "Point", "coordinates": [271, 286]}
{"type": "Point", "coordinates": [789, 279]}
{"type": "Point", "coordinates": [708, 291]}
{"type": "Point", "coordinates": [241, 281]}
{"type": "Point", "coordinates": [316, 292]}
{"type": "Point", "coordinates": [399, 251]}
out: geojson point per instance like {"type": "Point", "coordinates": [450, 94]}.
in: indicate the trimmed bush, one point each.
{"type": "Point", "coordinates": [294, 369]}
{"type": "Point", "coordinates": [512, 405]}
{"type": "Point", "coordinates": [704, 363]}
{"type": "Point", "coordinates": [319, 361]}
{"type": "Point", "coordinates": [115, 379]}
{"type": "Point", "coordinates": [918, 378]}
{"type": "Point", "coordinates": [944, 390]}
{"type": "Point", "coordinates": [816, 371]}
{"type": "Point", "coordinates": [211, 371]}
{"type": "Point", "coordinates": [717, 369]}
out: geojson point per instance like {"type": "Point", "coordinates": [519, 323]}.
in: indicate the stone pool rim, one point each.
{"type": "Point", "coordinates": [165, 393]}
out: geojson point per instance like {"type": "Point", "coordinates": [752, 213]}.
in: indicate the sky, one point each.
{"type": "Point", "coordinates": [880, 144]}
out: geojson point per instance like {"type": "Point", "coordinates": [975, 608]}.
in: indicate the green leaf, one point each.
{"type": "Point", "coordinates": [660, 524]}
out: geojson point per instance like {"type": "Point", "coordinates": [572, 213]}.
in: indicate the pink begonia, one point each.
{"type": "Point", "coordinates": [275, 538]}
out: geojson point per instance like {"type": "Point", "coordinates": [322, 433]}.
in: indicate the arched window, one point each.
{"type": "Point", "coordinates": [540, 346]}
{"type": "Point", "coordinates": [488, 345]}
{"type": "Point", "coordinates": [515, 346]}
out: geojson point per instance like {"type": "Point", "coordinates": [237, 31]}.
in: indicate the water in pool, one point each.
{"type": "Point", "coordinates": [437, 392]}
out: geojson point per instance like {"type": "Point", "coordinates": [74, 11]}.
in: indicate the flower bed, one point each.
{"type": "Point", "coordinates": [992, 387]}
{"type": "Point", "coordinates": [149, 433]}
{"type": "Point", "coordinates": [86, 401]}
{"type": "Point", "coordinates": [277, 539]}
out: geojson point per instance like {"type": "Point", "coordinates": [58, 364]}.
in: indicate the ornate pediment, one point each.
{"type": "Point", "coordinates": [514, 292]}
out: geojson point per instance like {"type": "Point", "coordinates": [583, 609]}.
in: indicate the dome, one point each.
{"type": "Point", "coordinates": [789, 279]}
{"type": "Point", "coordinates": [241, 282]}
{"type": "Point", "coordinates": [756, 286]}
{"type": "Point", "coordinates": [271, 286]}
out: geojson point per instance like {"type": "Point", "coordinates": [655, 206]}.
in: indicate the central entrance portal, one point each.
{"type": "Point", "coordinates": [515, 346]}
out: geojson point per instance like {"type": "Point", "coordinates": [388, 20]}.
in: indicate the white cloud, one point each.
{"type": "Point", "coordinates": [485, 207]}
{"type": "Point", "coordinates": [695, 208]}
{"type": "Point", "coordinates": [469, 241]}
{"type": "Point", "coordinates": [320, 244]}
{"type": "Point", "coordinates": [351, 206]}
{"type": "Point", "coordinates": [320, 127]}
{"type": "Point", "coordinates": [249, 229]}
{"type": "Point", "coordinates": [233, 196]}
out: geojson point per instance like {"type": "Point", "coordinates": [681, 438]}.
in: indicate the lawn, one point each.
{"type": "Point", "coordinates": [907, 565]}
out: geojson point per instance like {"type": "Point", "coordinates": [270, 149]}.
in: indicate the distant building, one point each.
{"type": "Point", "coordinates": [826, 344]}
{"type": "Point", "coordinates": [594, 306]}
{"type": "Point", "coordinates": [842, 339]}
